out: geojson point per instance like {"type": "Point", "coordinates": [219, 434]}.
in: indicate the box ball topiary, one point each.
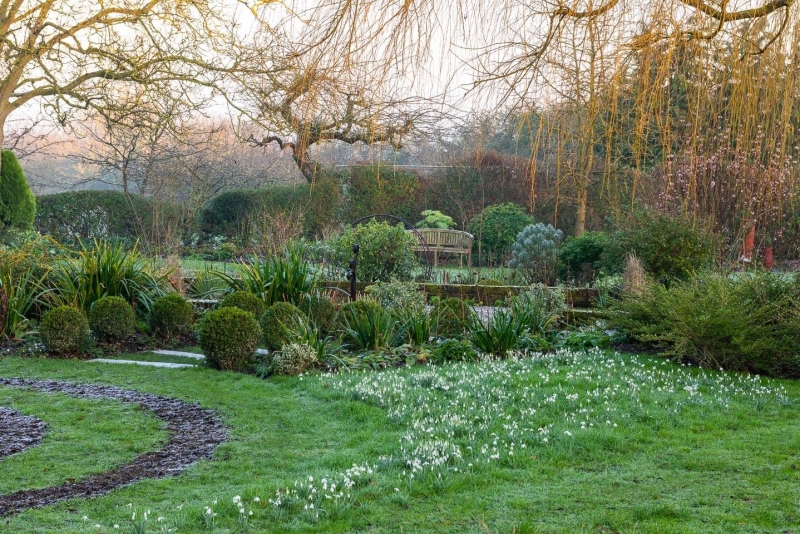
{"type": "Point", "coordinates": [279, 322]}
{"type": "Point", "coordinates": [246, 301]}
{"type": "Point", "coordinates": [112, 319]}
{"type": "Point", "coordinates": [171, 316]}
{"type": "Point", "coordinates": [321, 311]}
{"type": "Point", "coordinates": [229, 338]}
{"type": "Point", "coordinates": [65, 331]}
{"type": "Point", "coordinates": [293, 359]}
{"type": "Point", "coordinates": [360, 308]}
{"type": "Point", "coordinates": [449, 316]}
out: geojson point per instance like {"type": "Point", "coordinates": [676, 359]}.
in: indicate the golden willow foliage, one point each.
{"type": "Point", "coordinates": [684, 105]}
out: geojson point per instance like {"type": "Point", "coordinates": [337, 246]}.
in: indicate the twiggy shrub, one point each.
{"type": "Point", "coordinates": [229, 338]}
{"type": "Point", "coordinates": [112, 319]}
{"type": "Point", "coordinates": [171, 316]}
{"type": "Point", "coordinates": [65, 331]}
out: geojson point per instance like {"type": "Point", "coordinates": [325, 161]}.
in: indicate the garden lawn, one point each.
{"type": "Point", "coordinates": [576, 442]}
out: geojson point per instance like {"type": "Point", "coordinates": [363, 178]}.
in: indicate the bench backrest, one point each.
{"type": "Point", "coordinates": [437, 237]}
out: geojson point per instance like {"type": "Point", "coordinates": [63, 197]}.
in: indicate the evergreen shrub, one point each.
{"type": "Point", "coordinates": [385, 251]}
{"type": "Point", "coordinates": [17, 204]}
{"type": "Point", "coordinates": [321, 311]}
{"type": "Point", "coordinates": [171, 316]}
{"type": "Point", "coordinates": [280, 323]}
{"type": "Point", "coordinates": [112, 319]}
{"type": "Point", "coordinates": [496, 228]}
{"type": "Point", "coordinates": [293, 359]}
{"type": "Point", "coordinates": [65, 331]}
{"type": "Point", "coordinates": [246, 301]}
{"type": "Point", "coordinates": [229, 338]}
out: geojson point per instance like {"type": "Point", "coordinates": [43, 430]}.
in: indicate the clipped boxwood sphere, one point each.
{"type": "Point", "coordinates": [112, 319]}
{"type": "Point", "coordinates": [278, 322]}
{"type": "Point", "coordinates": [321, 311]}
{"type": "Point", "coordinates": [246, 301]}
{"type": "Point", "coordinates": [449, 316]}
{"type": "Point", "coordinates": [65, 331]}
{"type": "Point", "coordinates": [229, 338]}
{"type": "Point", "coordinates": [359, 307]}
{"type": "Point", "coordinates": [171, 316]}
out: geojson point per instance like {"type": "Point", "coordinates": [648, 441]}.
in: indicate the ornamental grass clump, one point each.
{"type": "Point", "coordinates": [450, 317]}
{"type": "Point", "coordinates": [112, 319]}
{"type": "Point", "coordinates": [171, 316]}
{"type": "Point", "coordinates": [280, 324]}
{"type": "Point", "coordinates": [106, 269]}
{"type": "Point", "coordinates": [65, 331]}
{"type": "Point", "coordinates": [246, 301]}
{"type": "Point", "coordinates": [229, 338]}
{"type": "Point", "coordinates": [372, 329]}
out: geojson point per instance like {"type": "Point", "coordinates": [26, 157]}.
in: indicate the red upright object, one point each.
{"type": "Point", "coordinates": [749, 243]}
{"type": "Point", "coordinates": [768, 258]}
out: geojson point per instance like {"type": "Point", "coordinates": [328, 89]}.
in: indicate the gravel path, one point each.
{"type": "Point", "coordinates": [18, 431]}
{"type": "Point", "coordinates": [194, 434]}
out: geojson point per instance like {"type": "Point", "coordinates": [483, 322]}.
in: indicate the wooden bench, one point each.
{"type": "Point", "coordinates": [448, 241]}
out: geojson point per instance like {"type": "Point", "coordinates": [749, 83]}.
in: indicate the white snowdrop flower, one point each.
{"type": "Point", "coordinates": [256, 499]}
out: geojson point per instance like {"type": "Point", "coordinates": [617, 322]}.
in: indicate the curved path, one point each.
{"type": "Point", "coordinates": [18, 431]}
{"type": "Point", "coordinates": [194, 435]}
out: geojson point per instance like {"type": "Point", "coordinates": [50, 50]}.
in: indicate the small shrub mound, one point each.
{"type": "Point", "coordinates": [453, 350]}
{"type": "Point", "coordinates": [535, 253]}
{"type": "Point", "coordinates": [449, 317]}
{"type": "Point", "coordinates": [65, 331]}
{"type": "Point", "coordinates": [229, 338]}
{"type": "Point", "coordinates": [244, 300]}
{"type": "Point", "coordinates": [112, 319]}
{"type": "Point", "coordinates": [171, 316]}
{"type": "Point", "coordinates": [321, 311]}
{"type": "Point", "coordinates": [293, 359]}
{"type": "Point", "coordinates": [279, 322]}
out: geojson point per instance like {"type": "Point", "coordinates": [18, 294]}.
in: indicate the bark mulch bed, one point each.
{"type": "Point", "coordinates": [194, 435]}
{"type": "Point", "coordinates": [18, 431]}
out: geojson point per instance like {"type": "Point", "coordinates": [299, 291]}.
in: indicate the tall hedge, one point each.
{"type": "Point", "coordinates": [86, 215]}
{"type": "Point", "coordinates": [376, 189]}
{"type": "Point", "coordinates": [17, 205]}
{"type": "Point", "coordinates": [229, 213]}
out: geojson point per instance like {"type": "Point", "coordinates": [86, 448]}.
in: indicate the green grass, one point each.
{"type": "Point", "coordinates": [691, 451]}
{"type": "Point", "coordinates": [107, 434]}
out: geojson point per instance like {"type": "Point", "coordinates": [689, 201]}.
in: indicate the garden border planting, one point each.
{"type": "Point", "coordinates": [194, 433]}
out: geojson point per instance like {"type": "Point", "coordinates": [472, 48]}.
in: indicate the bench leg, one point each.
{"type": "Point", "coordinates": [435, 258]}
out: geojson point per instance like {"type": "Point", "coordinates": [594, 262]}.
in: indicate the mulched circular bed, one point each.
{"type": "Point", "coordinates": [194, 435]}
{"type": "Point", "coordinates": [18, 431]}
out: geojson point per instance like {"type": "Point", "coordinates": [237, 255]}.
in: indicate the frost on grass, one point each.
{"type": "Point", "coordinates": [463, 415]}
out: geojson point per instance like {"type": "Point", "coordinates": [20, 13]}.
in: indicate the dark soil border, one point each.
{"type": "Point", "coordinates": [194, 434]}
{"type": "Point", "coordinates": [18, 431]}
